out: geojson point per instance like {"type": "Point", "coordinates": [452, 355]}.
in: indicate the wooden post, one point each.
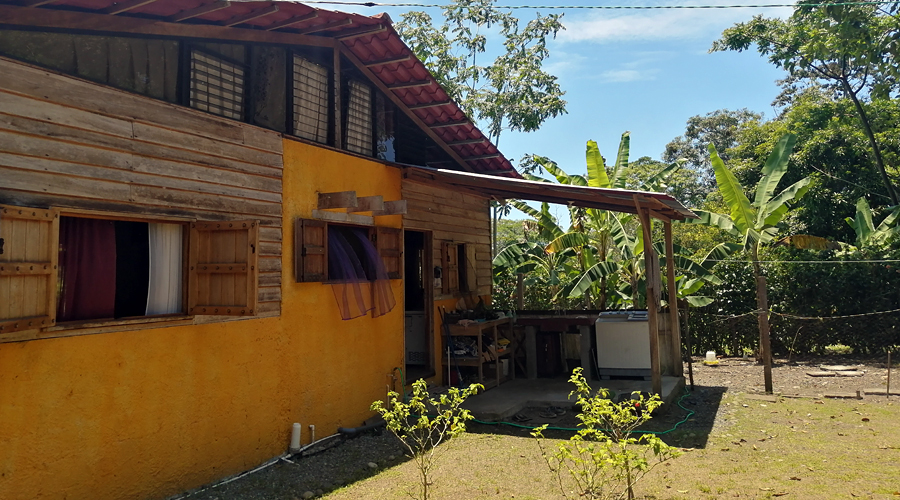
{"type": "Point", "coordinates": [673, 301]}
{"type": "Point", "coordinates": [765, 345]}
{"type": "Point", "coordinates": [888, 394]}
{"type": "Point", "coordinates": [687, 338]}
{"type": "Point", "coordinates": [652, 304]}
{"type": "Point", "coordinates": [520, 291]}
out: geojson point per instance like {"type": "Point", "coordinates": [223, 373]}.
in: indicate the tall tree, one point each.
{"type": "Point", "coordinates": [720, 127]}
{"type": "Point", "coordinates": [850, 47]}
{"type": "Point", "coordinates": [512, 92]}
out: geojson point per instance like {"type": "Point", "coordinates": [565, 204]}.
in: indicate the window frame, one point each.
{"type": "Point", "coordinates": [458, 259]}
{"type": "Point", "coordinates": [377, 235]}
{"type": "Point", "coordinates": [188, 48]}
{"type": "Point", "coordinates": [103, 325]}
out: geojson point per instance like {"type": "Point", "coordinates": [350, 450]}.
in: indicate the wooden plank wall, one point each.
{"type": "Point", "coordinates": [70, 143]}
{"type": "Point", "coordinates": [451, 216]}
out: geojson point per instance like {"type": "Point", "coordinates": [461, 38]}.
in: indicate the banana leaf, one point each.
{"type": "Point", "coordinates": [773, 211]}
{"type": "Point", "coordinates": [568, 240]}
{"type": "Point", "coordinates": [713, 219]}
{"type": "Point", "coordinates": [774, 169]}
{"type": "Point", "coordinates": [595, 273]}
{"type": "Point", "coordinates": [596, 166]}
{"type": "Point", "coordinates": [742, 214]}
{"type": "Point", "coordinates": [622, 161]}
{"type": "Point", "coordinates": [564, 178]}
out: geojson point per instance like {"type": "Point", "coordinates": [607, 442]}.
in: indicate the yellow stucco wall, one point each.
{"type": "Point", "coordinates": [150, 413]}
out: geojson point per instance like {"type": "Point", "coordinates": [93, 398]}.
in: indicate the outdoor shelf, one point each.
{"type": "Point", "coordinates": [477, 330]}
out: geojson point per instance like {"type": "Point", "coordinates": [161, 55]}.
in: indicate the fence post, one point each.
{"type": "Point", "coordinates": [764, 344]}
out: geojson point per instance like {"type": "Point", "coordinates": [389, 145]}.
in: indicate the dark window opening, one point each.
{"type": "Point", "coordinates": [310, 100]}
{"type": "Point", "coordinates": [118, 269]}
{"type": "Point", "coordinates": [358, 131]}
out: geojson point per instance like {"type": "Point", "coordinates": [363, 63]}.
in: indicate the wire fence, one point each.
{"type": "Point", "coordinates": [865, 333]}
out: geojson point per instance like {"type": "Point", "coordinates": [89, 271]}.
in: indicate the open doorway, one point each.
{"type": "Point", "coordinates": [418, 305]}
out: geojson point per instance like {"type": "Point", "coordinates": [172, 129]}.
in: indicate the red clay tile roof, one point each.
{"type": "Point", "coordinates": [408, 79]}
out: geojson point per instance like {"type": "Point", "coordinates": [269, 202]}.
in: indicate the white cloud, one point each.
{"type": "Point", "coordinates": [626, 75]}
{"type": "Point", "coordinates": [668, 24]}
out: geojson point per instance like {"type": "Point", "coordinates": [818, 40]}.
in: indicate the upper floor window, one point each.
{"type": "Point", "coordinates": [358, 118]}
{"type": "Point", "coordinates": [218, 83]}
{"type": "Point", "coordinates": [310, 100]}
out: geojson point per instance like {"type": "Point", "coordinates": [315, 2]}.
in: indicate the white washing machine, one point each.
{"type": "Point", "coordinates": [623, 344]}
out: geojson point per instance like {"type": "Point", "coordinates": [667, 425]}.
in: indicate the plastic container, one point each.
{"type": "Point", "coordinates": [710, 356]}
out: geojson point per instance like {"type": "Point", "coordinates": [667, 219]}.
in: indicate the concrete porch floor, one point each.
{"type": "Point", "coordinates": [505, 400]}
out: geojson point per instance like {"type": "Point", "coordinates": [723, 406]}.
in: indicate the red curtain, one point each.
{"type": "Point", "coordinates": [87, 260]}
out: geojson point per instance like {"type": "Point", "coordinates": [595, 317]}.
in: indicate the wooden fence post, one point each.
{"type": "Point", "coordinates": [764, 344]}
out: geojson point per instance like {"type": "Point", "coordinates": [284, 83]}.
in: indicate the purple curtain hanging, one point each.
{"type": "Point", "coordinates": [87, 260]}
{"type": "Point", "coordinates": [360, 281]}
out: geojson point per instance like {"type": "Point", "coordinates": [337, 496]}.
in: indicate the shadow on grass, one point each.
{"type": "Point", "coordinates": [687, 423]}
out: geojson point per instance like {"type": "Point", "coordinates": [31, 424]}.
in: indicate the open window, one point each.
{"type": "Point", "coordinates": [358, 118]}
{"type": "Point", "coordinates": [315, 261]}
{"type": "Point", "coordinates": [458, 268]}
{"type": "Point", "coordinates": [64, 269]}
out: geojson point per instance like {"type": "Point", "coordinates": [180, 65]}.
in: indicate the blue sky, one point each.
{"type": "Point", "coordinates": [644, 71]}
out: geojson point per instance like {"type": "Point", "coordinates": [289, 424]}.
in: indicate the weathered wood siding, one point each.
{"type": "Point", "coordinates": [452, 216]}
{"type": "Point", "coordinates": [69, 143]}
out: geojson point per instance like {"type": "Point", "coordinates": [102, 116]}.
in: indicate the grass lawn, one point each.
{"type": "Point", "coordinates": [792, 449]}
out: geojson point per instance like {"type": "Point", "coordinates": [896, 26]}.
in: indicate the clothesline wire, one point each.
{"type": "Point", "coordinates": [726, 317]}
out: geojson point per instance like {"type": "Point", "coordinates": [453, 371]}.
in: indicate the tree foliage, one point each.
{"type": "Point", "coordinates": [851, 48]}
{"type": "Point", "coordinates": [511, 92]}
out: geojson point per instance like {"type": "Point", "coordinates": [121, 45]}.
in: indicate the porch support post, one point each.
{"type": "Point", "coordinates": [674, 326]}
{"type": "Point", "coordinates": [652, 304]}
{"type": "Point", "coordinates": [531, 352]}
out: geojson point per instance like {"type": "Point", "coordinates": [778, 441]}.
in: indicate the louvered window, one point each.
{"type": "Point", "coordinates": [217, 85]}
{"type": "Point", "coordinates": [310, 100]}
{"type": "Point", "coordinates": [358, 137]}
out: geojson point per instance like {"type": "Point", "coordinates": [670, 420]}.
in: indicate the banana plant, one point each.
{"type": "Point", "coordinates": [756, 223]}
{"type": "Point", "coordinates": [867, 235]}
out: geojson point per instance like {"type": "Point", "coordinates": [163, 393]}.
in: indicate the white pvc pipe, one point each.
{"type": "Point", "coordinates": [295, 436]}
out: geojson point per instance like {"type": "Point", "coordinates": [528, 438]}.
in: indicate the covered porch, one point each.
{"type": "Point", "coordinates": [664, 367]}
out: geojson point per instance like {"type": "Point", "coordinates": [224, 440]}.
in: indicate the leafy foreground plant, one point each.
{"type": "Point", "coordinates": [606, 459]}
{"type": "Point", "coordinates": [424, 422]}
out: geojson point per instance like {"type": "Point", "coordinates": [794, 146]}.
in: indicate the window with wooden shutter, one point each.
{"type": "Point", "coordinates": [389, 242]}
{"type": "Point", "coordinates": [223, 268]}
{"type": "Point", "coordinates": [28, 268]}
{"type": "Point", "coordinates": [310, 250]}
{"type": "Point", "coordinates": [450, 266]}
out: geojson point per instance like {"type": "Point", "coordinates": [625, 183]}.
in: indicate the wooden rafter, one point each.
{"type": "Point", "coordinates": [199, 11]}
{"type": "Point", "coordinates": [468, 141]}
{"type": "Point", "coordinates": [357, 32]}
{"type": "Point", "coordinates": [482, 157]}
{"type": "Point", "coordinates": [121, 7]}
{"type": "Point", "coordinates": [409, 85]}
{"type": "Point", "coordinates": [450, 124]}
{"type": "Point", "coordinates": [256, 14]}
{"type": "Point", "coordinates": [287, 23]}
{"type": "Point", "coordinates": [430, 105]}
{"type": "Point", "coordinates": [393, 60]}
{"type": "Point", "coordinates": [323, 27]}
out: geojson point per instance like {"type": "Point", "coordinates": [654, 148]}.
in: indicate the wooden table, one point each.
{"type": "Point", "coordinates": [477, 330]}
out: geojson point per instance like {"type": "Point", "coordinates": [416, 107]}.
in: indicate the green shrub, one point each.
{"type": "Point", "coordinates": [605, 458]}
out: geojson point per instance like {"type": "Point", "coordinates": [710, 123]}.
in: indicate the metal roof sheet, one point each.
{"type": "Point", "coordinates": [617, 200]}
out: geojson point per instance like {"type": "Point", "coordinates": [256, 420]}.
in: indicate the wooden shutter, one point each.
{"type": "Point", "coordinates": [389, 242]}
{"type": "Point", "coordinates": [310, 250]}
{"type": "Point", "coordinates": [223, 268]}
{"type": "Point", "coordinates": [470, 264]}
{"type": "Point", "coordinates": [28, 268]}
{"type": "Point", "coordinates": [450, 267]}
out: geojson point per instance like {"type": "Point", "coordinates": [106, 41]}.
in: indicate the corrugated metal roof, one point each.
{"type": "Point", "coordinates": [617, 200]}
{"type": "Point", "coordinates": [371, 39]}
